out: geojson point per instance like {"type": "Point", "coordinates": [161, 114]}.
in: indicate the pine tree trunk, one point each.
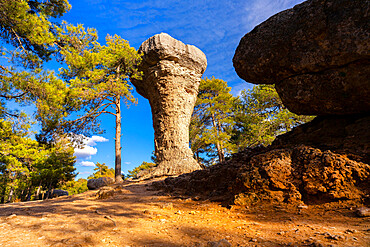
{"type": "Point", "coordinates": [10, 197]}
{"type": "Point", "coordinates": [28, 198]}
{"type": "Point", "coordinates": [47, 196]}
{"type": "Point", "coordinates": [118, 177]}
{"type": "Point", "coordinates": [220, 151]}
{"type": "Point", "coordinates": [37, 196]}
{"type": "Point", "coordinates": [4, 191]}
{"type": "Point", "coordinates": [3, 194]}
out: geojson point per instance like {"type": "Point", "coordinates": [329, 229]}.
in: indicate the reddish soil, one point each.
{"type": "Point", "coordinates": [136, 216]}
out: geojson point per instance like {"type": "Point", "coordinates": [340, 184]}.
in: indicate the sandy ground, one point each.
{"type": "Point", "coordinates": [135, 216]}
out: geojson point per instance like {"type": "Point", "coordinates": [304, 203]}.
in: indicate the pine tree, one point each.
{"type": "Point", "coordinates": [212, 120]}
{"type": "Point", "coordinates": [98, 79]}
{"type": "Point", "coordinates": [28, 38]}
{"type": "Point", "coordinates": [102, 170]}
{"type": "Point", "coordinates": [260, 116]}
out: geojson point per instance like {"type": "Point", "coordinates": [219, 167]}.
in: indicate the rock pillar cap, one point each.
{"type": "Point", "coordinates": [163, 47]}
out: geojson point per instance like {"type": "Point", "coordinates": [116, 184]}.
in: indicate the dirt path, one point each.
{"type": "Point", "coordinates": [136, 216]}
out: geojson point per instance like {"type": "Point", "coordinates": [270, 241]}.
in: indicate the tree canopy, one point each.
{"type": "Point", "coordinates": [260, 116]}
{"type": "Point", "coordinates": [28, 39]}
{"type": "Point", "coordinates": [102, 170]}
{"type": "Point", "coordinates": [26, 166]}
{"type": "Point", "coordinates": [222, 124]}
{"type": "Point", "coordinates": [213, 119]}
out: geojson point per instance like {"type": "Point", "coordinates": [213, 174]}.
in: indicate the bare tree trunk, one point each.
{"type": "Point", "coordinates": [11, 194]}
{"type": "Point", "coordinates": [48, 193]}
{"type": "Point", "coordinates": [220, 151]}
{"type": "Point", "coordinates": [29, 194]}
{"type": "Point", "coordinates": [38, 192]}
{"type": "Point", "coordinates": [118, 177]}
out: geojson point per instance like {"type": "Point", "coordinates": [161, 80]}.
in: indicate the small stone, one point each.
{"type": "Point", "coordinates": [105, 193]}
{"type": "Point", "coordinates": [363, 212]}
{"type": "Point", "coordinates": [348, 231]}
{"type": "Point", "coordinates": [220, 243]}
{"type": "Point", "coordinates": [167, 206]}
{"type": "Point", "coordinates": [332, 236]}
{"type": "Point", "coordinates": [196, 198]}
{"type": "Point", "coordinates": [12, 216]}
{"type": "Point", "coordinates": [253, 240]}
{"type": "Point", "coordinates": [146, 211]}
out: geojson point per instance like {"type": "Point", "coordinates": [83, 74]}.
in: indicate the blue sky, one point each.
{"type": "Point", "coordinates": [214, 26]}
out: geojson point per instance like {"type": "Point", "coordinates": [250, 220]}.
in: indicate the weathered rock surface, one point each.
{"type": "Point", "coordinates": [57, 193]}
{"type": "Point", "coordinates": [346, 135]}
{"type": "Point", "coordinates": [171, 76]}
{"type": "Point", "coordinates": [317, 55]}
{"type": "Point", "coordinates": [301, 173]}
{"type": "Point", "coordinates": [221, 243]}
{"type": "Point", "coordinates": [296, 168]}
{"type": "Point", "coordinates": [363, 212]}
{"type": "Point", "coordinates": [94, 184]}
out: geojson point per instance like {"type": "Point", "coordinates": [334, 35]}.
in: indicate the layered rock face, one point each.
{"type": "Point", "coordinates": [171, 77]}
{"type": "Point", "coordinates": [317, 55]}
{"type": "Point", "coordinates": [307, 165]}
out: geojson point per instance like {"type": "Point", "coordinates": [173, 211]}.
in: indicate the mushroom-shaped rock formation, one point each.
{"type": "Point", "coordinates": [317, 54]}
{"type": "Point", "coordinates": [171, 75]}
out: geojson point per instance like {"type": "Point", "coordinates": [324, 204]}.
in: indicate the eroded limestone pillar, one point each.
{"type": "Point", "coordinates": [171, 75]}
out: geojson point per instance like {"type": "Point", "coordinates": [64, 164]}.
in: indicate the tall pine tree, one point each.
{"type": "Point", "coordinates": [213, 120]}
{"type": "Point", "coordinates": [98, 79]}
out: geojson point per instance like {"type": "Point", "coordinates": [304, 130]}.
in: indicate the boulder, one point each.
{"type": "Point", "coordinates": [363, 212]}
{"type": "Point", "coordinates": [57, 193]}
{"type": "Point", "coordinates": [94, 184]}
{"type": "Point", "coordinates": [171, 75]}
{"type": "Point", "coordinates": [317, 55]}
{"type": "Point", "coordinates": [325, 160]}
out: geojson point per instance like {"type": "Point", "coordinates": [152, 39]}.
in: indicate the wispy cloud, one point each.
{"type": "Point", "coordinates": [258, 11]}
{"type": "Point", "coordinates": [127, 163]}
{"type": "Point", "coordinates": [215, 27]}
{"type": "Point", "coordinates": [238, 88]}
{"type": "Point", "coordinates": [87, 163]}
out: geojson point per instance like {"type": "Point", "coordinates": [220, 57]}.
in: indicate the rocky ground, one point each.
{"type": "Point", "coordinates": [136, 215]}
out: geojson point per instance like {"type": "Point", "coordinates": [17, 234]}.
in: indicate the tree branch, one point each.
{"type": "Point", "coordinates": [12, 96]}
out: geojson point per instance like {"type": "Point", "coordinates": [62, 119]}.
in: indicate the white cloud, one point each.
{"type": "Point", "coordinates": [91, 141]}
{"type": "Point", "coordinates": [87, 163]}
{"type": "Point", "coordinates": [127, 163]}
{"type": "Point", "coordinates": [87, 150]}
